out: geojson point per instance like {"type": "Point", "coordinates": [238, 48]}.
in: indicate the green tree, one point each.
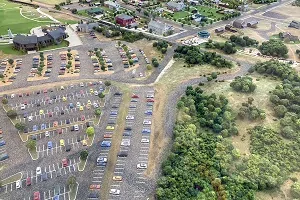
{"type": "Point", "coordinates": [31, 144]}
{"type": "Point", "coordinates": [98, 112]}
{"type": "Point", "coordinates": [10, 61]}
{"type": "Point", "coordinates": [90, 131]}
{"type": "Point", "coordinates": [295, 190]}
{"type": "Point", "coordinates": [101, 95]}
{"type": "Point", "coordinates": [12, 114]}
{"type": "Point", "coordinates": [107, 83]}
{"type": "Point", "coordinates": [20, 126]}
{"type": "Point", "coordinates": [84, 154]}
{"type": "Point", "coordinates": [4, 101]}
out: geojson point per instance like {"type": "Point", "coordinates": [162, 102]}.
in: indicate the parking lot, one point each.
{"type": "Point", "coordinates": [135, 144]}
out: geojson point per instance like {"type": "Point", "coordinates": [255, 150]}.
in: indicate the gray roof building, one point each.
{"type": "Point", "coordinates": [295, 24]}
{"type": "Point", "coordinates": [57, 33]}
{"type": "Point", "coordinates": [157, 27]}
{"type": "Point", "coordinates": [172, 5]}
{"type": "Point", "coordinates": [22, 39]}
{"type": "Point", "coordinates": [87, 27]}
{"type": "Point", "coordinates": [124, 17]}
{"type": "Point", "coordinates": [239, 23]}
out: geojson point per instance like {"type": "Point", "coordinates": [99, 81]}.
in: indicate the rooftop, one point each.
{"type": "Point", "coordinates": [22, 39]}
{"type": "Point", "coordinates": [124, 17]}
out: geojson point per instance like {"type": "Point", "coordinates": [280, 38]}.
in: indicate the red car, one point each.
{"type": "Point", "coordinates": [135, 96]}
{"type": "Point", "coordinates": [82, 117]}
{"type": "Point", "coordinates": [27, 94]}
{"type": "Point", "coordinates": [59, 131]}
{"type": "Point", "coordinates": [25, 102]}
{"type": "Point", "coordinates": [65, 162]}
{"type": "Point", "coordinates": [20, 95]}
{"type": "Point", "coordinates": [28, 181]}
{"type": "Point", "coordinates": [45, 91]}
{"type": "Point", "coordinates": [36, 196]}
{"type": "Point", "coordinates": [50, 114]}
{"type": "Point", "coordinates": [108, 136]}
{"type": "Point", "coordinates": [150, 100]}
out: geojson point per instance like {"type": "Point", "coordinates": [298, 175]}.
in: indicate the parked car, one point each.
{"type": "Point", "coordinates": [2, 143]}
{"type": "Point", "coordinates": [36, 196]}
{"type": "Point", "coordinates": [114, 191]}
{"type": "Point", "coordinates": [28, 181]}
{"type": "Point", "coordinates": [65, 162]}
{"type": "Point", "coordinates": [141, 166]}
{"type": "Point", "coordinates": [50, 145]}
{"type": "Point", "coordinates": [105, 143]}
{"type": "Point", "coordinates": [18, 184]}
{"type": "Point", "coordinates": [44, 176]}
{"type": "Point", "coordinates": [68, 147]}
{"type": "Point", "coordinates": [38, 170]}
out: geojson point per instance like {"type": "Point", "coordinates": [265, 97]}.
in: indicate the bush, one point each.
{"type": "Point", "coordinates": [274, 48]}
{"type": "Point", "coordinates": [149, 67]}
{"type": "Point", "coordinates": [31, 144]}
{"type": "Point", "coordinates": [90, 131]}
{"type": "Point", "coordinates": [4, 101]}
{"type": "Point", "coordinates": [101, 95]}
{"type": "Point", "coordinates": [243, 84]}
{"type": "Point", "coordinates": [20, 126]}
{"type": "Point", "coordinates": [12, 114]}
{"type": "Point", "coordinates": [98, 112]}
{"type": "Point", "coordinates": [84, 154]}
{"type": "Point", "coordinates": [107, 83]}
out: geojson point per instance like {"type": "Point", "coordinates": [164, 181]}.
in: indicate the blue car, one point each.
{"type": "Point", "coordinates": [148, 112]}
{"type": "Point", "coordinates": [25, 115]}
{"type": "Point", "coordinates": [113, 113]}
{"type": "Point", "coordinates": [101, 161]}
{"type": "Point", "coordinates": [106, 144]}
{"type": "Point", "coordinates": [146, 130]}
{"type": "Point", "coordinates": [71, 105]}
{"type": "Point", "coordinates": [50, 145]}
{"type": "Point", "coordinates": [101, 89]}
{"type": "Point", "coordinates": [35, 128]}
{"type": "Point", "coordinates": [43, 126]}
{"type": "Point", "coordinates": [2, 143]}
{"type": "Point", "coordinates": [56, 197]}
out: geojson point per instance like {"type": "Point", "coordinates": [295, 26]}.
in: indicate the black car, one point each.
{"type": "Point", "coordinates": [25, 130]}
{"type": "Point", "coordinates": [38, 104]}
{"type": "Point", "coordinates": [72, 128]}
{"type": "Point", "coordinates": [53, 97]}
{"type": "Point", "coordinates": [115, 106]}
{"type": "Point", "coordinates": [111, 122]}
{"type": "Point", "coordinates": [34, 137]}
{"type": "Point", "coordinates": [127, 134]}
{"type": "Point", "coordinates": [38, 92]}
{"type": "Point", "coordinates": [93, 195]}
{"type": "Point", "coordinates": [68, 121]}
{"type": "Point", "coordinates": [128, 128]}
{"type": "Point", "coordinates": [118, 93]}
{"type": "Point", "coordinates": [78, 138]}
{"type": "Point", "coordinates": [58, 173]}
{"type": "Point", "coordinates": [68, 147]}
{"type": "Point", "coordinates": [88, 124]}
{"type": "Point", "coordinates": [122, 154]}
{"type": "Point", "coordinates": [62, 112]}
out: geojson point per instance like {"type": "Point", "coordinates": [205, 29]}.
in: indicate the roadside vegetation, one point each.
{"type": "Point", "coordinates": [274, 48]}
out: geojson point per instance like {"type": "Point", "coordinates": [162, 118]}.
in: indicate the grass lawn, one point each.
{"type": "Point", "coordinates": [83, 13]}
{"type": "Point", "coordinates": [208, 12]}
{"type": "Point", "coordinates": [11, 18]}
{"type": "Point", "coordinates": [63, 44]}
{"type": "Point", "coordinates": [8, 49]}
{"type": "Point", "coordinates": [181, 14]}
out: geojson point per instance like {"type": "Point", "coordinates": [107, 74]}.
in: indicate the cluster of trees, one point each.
{"type": "Point", "coordinates": [155, 62]}
{"type": "Point", "coordinates": [273, 48]}
{"type": "Point", "coordinates": [213, 111]}
{"type": "Point", "coordinates": [42, 64]}
{"type": "Point", "coordinates": [298, 52]}
{"type": "Point", "coordinates": [295, 188]}
{"type": "Point", "coordinates": [250, 111]}
{"type": "Point", "coordinates": [227, 47]}
{"type": "Point", "coordinates": [264, 1]}
{"type": "Point", "coordinates": [200, 161]}
{"type": "Point", "coordinates": [296, 3]}
{"type": "Point", "coordinates": [161, 46]}
{"type": "Point", "coordinates": [243, 41]}
{"type": "Point", "coordinates": [243, 84]}
{"type": "Point", "coordinates": [193, 55]}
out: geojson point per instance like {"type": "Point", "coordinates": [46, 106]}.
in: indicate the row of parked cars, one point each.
{"type": "Point", "coordinates": [102, 57]}
{"type": "Point", "coordinates": [4, 67]}
{"type": "Point", "coordinates": [64, 63]}
{"type": "Point", "coordinates": [126, 58]}
{"type": "Point", "coordinates": [36, 62]}
{"type": "Point", "coordinates": [146, 59]}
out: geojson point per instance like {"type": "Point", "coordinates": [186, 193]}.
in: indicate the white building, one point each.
{"type": "Point", "coordinates": [157, 28]}
{"type": "Point", "coordinates": [112, 5]}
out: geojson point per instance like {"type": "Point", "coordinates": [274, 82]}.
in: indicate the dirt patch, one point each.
{"type": "Point", "coordinates": [147, 47]}
{"type": "Point", "coordinates": [289, 11]}
{"type": "Point", "coordinates": [59, 16]}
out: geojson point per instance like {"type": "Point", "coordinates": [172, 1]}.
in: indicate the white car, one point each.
{"type": "Point", "coordinates": [130, 117]}
{"type": "Point", "coordinates": [47, 134]}
{"type": "Point", "coordinates": [71, 85]}
{"type": "Point", "coordinates": [114, 191]}
{"type": "Point", "coordinates": [96, 105]}
{"type": "Point", "coordinates": [144, 140]}
{"type": "Point", "coordinates": [18, 184]}
{"type": "Point", "coordinates": [76, 127]}
{"type": "Point", "coordinates": [78, 104]}
{"type": "Point", "coordinates": [38, 170]}
{"type": "Point", "coordinates": [81, 84]}
{"type": "Point", "coordinates": [30, 118]}
{"type": "Point", "coordinates": [96, 93]}
{"type": "Point", "coordinates": [12, 96]}
{"type": "Point", "coordinates": [150, 96]}
{"type": "Point", "coordinates": [125, 142]}
{"type": "Point", "coordinates": [23, 107]}
{"type": "Point", "coordinates": [141, 166]}
{"type": "Point", "coordinates": [147, 122]}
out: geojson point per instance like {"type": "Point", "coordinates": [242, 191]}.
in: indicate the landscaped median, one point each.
{"type": "Point", "coordinates": [83, 158]}
{"type": "Point", "coordinates": [12, 179]}
{"type": "Point", "coordinates": [73, 186]}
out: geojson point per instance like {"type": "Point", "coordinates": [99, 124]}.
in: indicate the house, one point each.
{"type": "Point", "coordinates": [252, 24]}
{"type": "Point", "coordinates": [219, 30]}
{"type": "Point", "coordinates": [204, 34]}
{"type": "Point", "coordinates": [174, 6]}
{"type": "Point", "coordinates": [286, 36]}
{"type": "Point", "coordinates": [193, 2]}
{"type": "Point", "coordinates": [295, 24]}
{"type": "Point", "coordinates": [87, 27]}
{"type": "Point", "coordinates": [33, 43]}
{"type": "Point", "coordinates": [112, 5]}
{"type": "Point", "coordinates": [158, 28]}
{"type": "Point", "coordinates": [94, 11]}
{"type": "Point", "coordinates": [124, 20]}
{"type": "Point", "coordinates": [239, 23]}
